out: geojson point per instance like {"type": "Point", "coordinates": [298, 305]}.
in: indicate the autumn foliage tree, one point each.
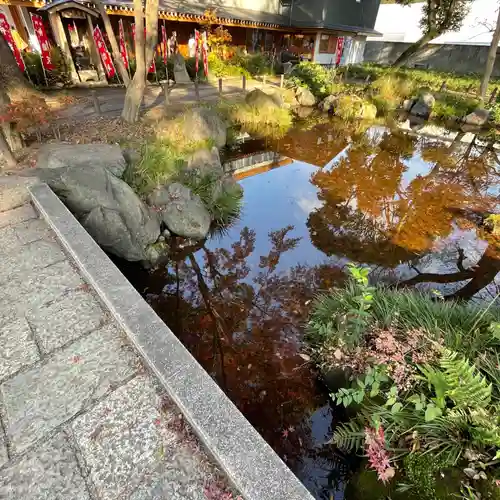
{"type": "Point", "coordinates": [439, 17]}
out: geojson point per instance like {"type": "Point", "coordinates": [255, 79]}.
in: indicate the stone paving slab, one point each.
{"type": "Point", "coordinates": [49, 472]}
{"type": "Point", "coordinates": [36, 288]}
{"type": "Point", "coordinates": [17, 348]}
{"type": "Point", "coordinates": [42, 398]}
{"type": "Point", "coordinates": [11, 237]}
{"type": "Point", "coordinates": [60, 321]}
{"type": "Point", "coordinates": [28, 257]}
{"type": "Point", "coordinates": [3, 452]}
{"type": "Point", "coordinates": [130, 450]}
{"type": "Point", "coordinates": [19, 214]}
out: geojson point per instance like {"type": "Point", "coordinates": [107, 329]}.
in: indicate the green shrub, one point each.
{"type": "Point", "coordinates": [423, 77]}
{"type": "Point", "coordinates": [426, 376]}
{"type": "Point", "coordinates": [273, 122]}
{"type": "Point", "coordinates": [351, 107]}
{"type": "Point", "coordinates": [59, 75]}
{"type": "Point", "coordinates": [220, 67]}
{"type": "Point", "coordinates": [160, 162]}
{"type": "Point", "coordinates": [449, 105]}
{"type": "Point", "coordinates": [222, 198]}
{"type": "Point", "coordinates": [257, 64]}
{"type": "Point", "coordinates": [314, 76]}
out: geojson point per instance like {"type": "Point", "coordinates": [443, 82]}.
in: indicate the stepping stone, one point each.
{"type": "Point", "coordinates": [40, 399]}
{"type": "Point", "coordinates": [61, 321]}
{"type": "Point", "coordinates": [131, 451]}
{"type": "Point", "coordinates": [17, 348]}
{"type": "Point", "coordinates": [47, 472]}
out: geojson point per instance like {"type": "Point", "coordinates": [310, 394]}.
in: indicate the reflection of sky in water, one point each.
{"type": "Point", "coordinates": [272, 201]}
{"type": "Point", "coordinates": [285, 196]}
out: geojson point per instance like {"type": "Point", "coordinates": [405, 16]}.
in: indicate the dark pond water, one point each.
{"type": "Point", "coordinates": [407, 206]}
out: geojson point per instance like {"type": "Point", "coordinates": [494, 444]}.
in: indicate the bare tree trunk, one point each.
{"type": "Point", "coordinates": [414, 49]}
{"type": "Point", "coordinates": [151, 31]}
{"type": "Point", "coordinates": [143, 57]}
{"type": "Point", "coordinates": [117, 58]}
{"type": "Point", "coordinates": [135, 91]}
{"type": "Point", "coordinates": [7, 129]}
{"type": "Point", "coordinates": [6, 151]}
{"type": "Point", "coordinates": [11, 77]}
{"type": "Point", "coordinates": [490, 62]}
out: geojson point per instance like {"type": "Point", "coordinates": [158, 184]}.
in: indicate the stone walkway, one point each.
{"type": "Point", "coordinates": [111, 98]}
{"type": "Point", "coordinates": [81, 419]}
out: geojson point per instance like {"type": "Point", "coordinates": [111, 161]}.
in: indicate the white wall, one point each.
{"type": "Point", "coordinates": [353, 52]}
{"type": "Point", "coordinates": [398, 23]}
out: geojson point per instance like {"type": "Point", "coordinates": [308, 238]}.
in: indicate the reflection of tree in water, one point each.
{"type": "Point", "coordinates": [370, 216]}
{"type": "Point", "coordinates": [245, 328]}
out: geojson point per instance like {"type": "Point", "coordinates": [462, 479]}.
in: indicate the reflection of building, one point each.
{"type": "Point", "coordinates": [306, 27]}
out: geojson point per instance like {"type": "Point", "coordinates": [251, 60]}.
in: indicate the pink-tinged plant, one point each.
{"type": "Point", "coordinates": [217, 490]}
{"type": "Point", "coordinates": [378, 456]}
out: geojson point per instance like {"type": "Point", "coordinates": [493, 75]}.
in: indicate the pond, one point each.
{"type": "Point", "coordinates": [407, 206]}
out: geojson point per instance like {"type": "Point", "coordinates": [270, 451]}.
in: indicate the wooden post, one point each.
{"type": "Point", "coordinates": [244, 83]}
{"type": "Point", "coordinates": [197, 90]}
{"type": "Point", "coordinates": [62, 42]}
{"type": "Point", "coordinates": [282, 81]}
{"type": "Point", "coordinates": [220, 86]}
{"type": "Point", "coordinates": [443, 86]}
{"type": "Point", "coordinates": [264, 80]}
{"type": "Point", "coordinates": [166, 93]}
{"type": "Point", "coordinates": [94, 55]}
{"type": "Point", "coordinates": [493, 96]}
{"type": "Point", "coordinates": [97, 105]}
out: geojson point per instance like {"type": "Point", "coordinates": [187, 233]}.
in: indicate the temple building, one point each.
{"type": "Point", "coordinates": [330, 32]}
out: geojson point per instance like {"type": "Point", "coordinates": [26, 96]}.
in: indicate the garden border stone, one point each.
{"type": "Point", "coordinates": [249, 462]}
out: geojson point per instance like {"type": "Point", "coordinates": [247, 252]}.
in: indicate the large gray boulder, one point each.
{"type": "Point", "coordinates": [205, 160]}
{"type": "Point", "coordinates": [305, 97]}
{"type": "Point", "coordinates": [261, 100]}
{"type": "Point", "coordinates": [328, 103]}
{"type": "Point", "coordinates": [423, 105]}
{"type": "Point", "coordinates": [199, 124]}
{"type": "Point", "coordinates": [107, 156]}
{"type": "Point", "coordinates": [108, 209]}
{"type": "Point", "coordinates": [183, 212]}
{"type": "Point", "coordinates": [479, 117]}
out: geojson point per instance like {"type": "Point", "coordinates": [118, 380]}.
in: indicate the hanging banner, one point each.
{"type": "Point", "coordinates": [164, 43]}
{"type": "Point", "coordinates": [196, 50]}
{"type": "Point", "coordinates": [7, 34]}
{"type": "Point", "coordinates": [41, 35]}
{"type": "Point", "coordinates": [339, 49]}
{"type": "Point", "coordinates": [204, 48]}
{"type": "Point", "coordinates": [73, 35]}
{"type": "Point", "coordinates": [152, 67]}
{"type": "Point", "coordinates": [104, 53]}
{"type": "Point", "coordinates": [123, 46]}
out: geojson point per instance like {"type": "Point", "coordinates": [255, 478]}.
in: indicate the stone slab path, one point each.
{"type": "Point", "coordinates": [111, 98]}
{"type": "Point", "coordinates": [81, 419]}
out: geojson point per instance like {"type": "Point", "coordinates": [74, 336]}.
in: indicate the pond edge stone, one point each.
{"type": "Point", "coordinates": [250, 464]}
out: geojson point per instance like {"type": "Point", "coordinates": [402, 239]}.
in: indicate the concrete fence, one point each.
{"type": "Point", "coordinates": [457, 58]}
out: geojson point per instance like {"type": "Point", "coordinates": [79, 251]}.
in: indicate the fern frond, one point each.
{"type": "Point", "coordinates": [466, 386]}
{"type": "Point", "coordinates": [349, 436]}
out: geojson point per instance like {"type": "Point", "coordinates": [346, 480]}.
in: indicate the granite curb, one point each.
{"type": "Point", "coordinates": [249, 462]}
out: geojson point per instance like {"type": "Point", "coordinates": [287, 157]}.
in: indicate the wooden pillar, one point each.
{"type": "Point", "coordinates": [94, 55]}
{"type": "Point", "coordinates": [62, 42]}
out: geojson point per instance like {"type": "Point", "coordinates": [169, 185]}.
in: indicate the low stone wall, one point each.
{"type": "Point", "coordinates": [457, 58]}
